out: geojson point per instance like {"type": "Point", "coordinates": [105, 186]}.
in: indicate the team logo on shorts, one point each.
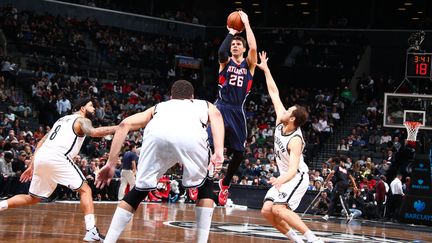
{"type": "Point", "coordinates": [268, 232]}
{"type": "Point", "coordinates": [282, 195]}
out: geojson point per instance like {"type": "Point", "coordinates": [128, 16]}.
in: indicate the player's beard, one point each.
{"type": "Point", "coordinates": [89, 115]}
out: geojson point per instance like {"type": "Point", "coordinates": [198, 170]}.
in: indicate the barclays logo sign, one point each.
{"type": "Point", "coordinates": [421, 167]}
{"type": "Point", "coordinates": [420, 185]}
{"type": "Point", "coordinates": [419, 206]}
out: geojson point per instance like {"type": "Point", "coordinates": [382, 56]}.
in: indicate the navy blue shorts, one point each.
{"type": "Point", "coordinates": [235, 126]}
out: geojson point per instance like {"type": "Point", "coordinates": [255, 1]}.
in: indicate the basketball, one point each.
{"type": "Point", "coordinates": [234, 21]}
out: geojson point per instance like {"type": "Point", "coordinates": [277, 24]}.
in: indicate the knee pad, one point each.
{"type": "Point", "coordinates": [206, 190]}
{"type": "Point", "coordinates": [135, 197]}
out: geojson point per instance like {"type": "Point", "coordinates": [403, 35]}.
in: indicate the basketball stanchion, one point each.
{"type": "Point", "coordinates": [312, 203]}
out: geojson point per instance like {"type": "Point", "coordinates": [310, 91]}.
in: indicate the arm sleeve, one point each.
{"type": "Point", "coordinates": [224, 48]}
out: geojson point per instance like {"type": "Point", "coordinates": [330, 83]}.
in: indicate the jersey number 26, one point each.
{"type": "Point", "coordinates": [236, 80]}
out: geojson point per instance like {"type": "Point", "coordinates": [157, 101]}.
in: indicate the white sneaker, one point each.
{"type": "Point", "coordinates": [326, 217]}
{"type": "Point", "coordinates": [93, 235]}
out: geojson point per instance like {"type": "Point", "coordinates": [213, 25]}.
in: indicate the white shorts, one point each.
{"type": "Point", "coordinates": [157, 155]}
{"type": "Point", "coordinates": [291, 192]}
{"type": "Point", "coordinates": [50, 169]}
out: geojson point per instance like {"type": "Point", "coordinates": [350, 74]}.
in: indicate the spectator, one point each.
{"type": "Point", "coordinates": [395, 197]}
{"type": "Point", "coordinates": [129, 163]}
{"type": "Point", "coordinates": [322, 204]}
{"type": "Point", "coordinates": [342, 146]}
{"type": "Point", "coordinates": [380, 196]}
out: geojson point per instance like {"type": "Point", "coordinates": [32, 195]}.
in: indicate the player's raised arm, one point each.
{"type": "Point", "coordinates": [83, 126]}
{"type": "Point", "coordinates": [271, 87]}
{"type": "Point", "coordinates": [225, 47]}
{"type": "Point", "coordinates": [252, 56]}
{"type": "Point", "coordinates": [131, 123]}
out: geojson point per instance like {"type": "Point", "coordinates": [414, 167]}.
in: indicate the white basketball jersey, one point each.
{"type": "Point", "coordinates": [179, 120]}
{"type": "Point", "coordinates": [62, 138]}
{"type": "Point", "coordinates": [281, 149]}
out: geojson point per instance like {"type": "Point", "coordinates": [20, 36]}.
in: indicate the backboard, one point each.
{"type": "Point", "coordinates": [399, 108]}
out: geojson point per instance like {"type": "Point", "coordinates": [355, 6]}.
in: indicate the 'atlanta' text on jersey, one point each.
{"type": "Point", "coordinates": [238, 71]}
{"type": "Point", "coordinates": [235, 82]}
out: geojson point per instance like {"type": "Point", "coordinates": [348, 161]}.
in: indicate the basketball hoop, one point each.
{"type": "Point", "coordinates": [412, 129]}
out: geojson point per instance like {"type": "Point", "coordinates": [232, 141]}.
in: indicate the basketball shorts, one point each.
{"type": "Point", "coordinates": [291, 192]}
{"type": "Point", "coordinates": [158, 154]}
{"type": "Point", "coordinates": [235, 126]}
{"type": "Point", "coordinates": [50, 169]}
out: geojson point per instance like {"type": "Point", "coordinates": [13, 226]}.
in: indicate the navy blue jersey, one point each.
{"type": "Point", "coordinates": [235, 83]}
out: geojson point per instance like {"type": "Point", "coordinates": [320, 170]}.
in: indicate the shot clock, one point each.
{"type": "Point", "coordinates": [418, 65]}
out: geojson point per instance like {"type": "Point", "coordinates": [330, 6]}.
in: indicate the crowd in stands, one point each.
{"type": "Point", "coordinates": [187, 16]}
{"type": "Point", "coordinates": [53, 89]}
{"type": "Point", "coordinates": [370, 152]}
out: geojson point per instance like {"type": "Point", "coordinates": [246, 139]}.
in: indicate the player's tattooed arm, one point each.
{"type": "Point", "coordinates": [85, 127]}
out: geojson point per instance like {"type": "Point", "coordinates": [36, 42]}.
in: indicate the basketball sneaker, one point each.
{"type": "Point", "coordinates": [325, 217]}
{"type": "Point", "coordinates": [223, 193]}
{"type": "Point", "coordinates": [193, 193]}
{"type": "Point", "coordinates": [93, 235]}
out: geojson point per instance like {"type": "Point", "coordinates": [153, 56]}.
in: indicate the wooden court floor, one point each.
{"type": "Point", "coordinates": [64, 222]}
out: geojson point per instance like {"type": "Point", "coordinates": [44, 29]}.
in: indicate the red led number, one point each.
{"type": "Point", "coordinates": [421, 69]}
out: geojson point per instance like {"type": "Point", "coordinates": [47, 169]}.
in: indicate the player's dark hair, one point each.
{"type": "Point", "coordinates": [182, 89]}
{"type": "Point", "coordinates": [240, 38]}
{"type": "Point", "coordinates": [80, 103]}
{"type": "Point", "coordinates": [301, 116]}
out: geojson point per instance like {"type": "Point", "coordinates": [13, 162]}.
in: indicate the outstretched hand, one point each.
{"type": "Point", "coordinates": [244, 17]}
{"type": "Point", "coordinates": [276, 182]}
{"type": "Point", "coordinates": [216, 161]}
{"type": "Point", "coordinates": [104, 176]}
{"type": "Point", "coordinates": [26, 175]}
{"type": "Point", "coordinates": [263, 58]}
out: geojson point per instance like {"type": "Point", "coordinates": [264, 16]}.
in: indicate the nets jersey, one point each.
{"type": "Point", "coordinates": [281, 149]}
{"type": "Point", "coordinates": [235, 82]}
{"type": "Point", "coordinates": [63, 139]}
{"type": "Point", "coordinates": [179, 120]}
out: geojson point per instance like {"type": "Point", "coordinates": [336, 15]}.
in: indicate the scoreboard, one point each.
{"type": "Point", "coordinates": [418, 65]}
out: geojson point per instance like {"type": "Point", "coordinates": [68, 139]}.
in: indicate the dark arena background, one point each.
{"type": "Point", "coordinates": [361, 68]}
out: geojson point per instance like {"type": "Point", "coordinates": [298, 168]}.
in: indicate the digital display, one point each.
{"type": "Point", "coordinates": [418, 65]}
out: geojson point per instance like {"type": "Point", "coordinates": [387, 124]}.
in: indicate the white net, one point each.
{"type": "Point", "coordinates": [412, 129]}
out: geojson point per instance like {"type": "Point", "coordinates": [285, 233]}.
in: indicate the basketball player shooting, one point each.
{"type": "Point", "coordinates": [235, 82]}
{"type": "Point", "coordinates": [52, 164]}
{"type": "Point", "coordinates": [288, 189]}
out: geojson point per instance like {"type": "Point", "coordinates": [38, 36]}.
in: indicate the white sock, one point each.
{"type": "Point", "coordinates": [203, 217]}
{"type": "Point", "coordinates": [89, 221]}
{"type": "Point", "coordinates": [310, 236]}
{"type": "Point", "coordinates": [120, 219]}
{"type": "Point", "coordinates": [292, 235]}
{"type": "Point", "coordinates": [3, 205]}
